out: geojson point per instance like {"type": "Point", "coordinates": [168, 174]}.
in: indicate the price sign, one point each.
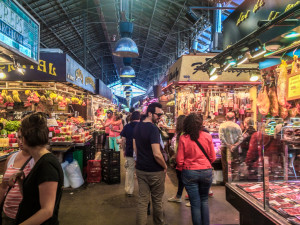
{"type": "Point", "coordinates": [293, 89]}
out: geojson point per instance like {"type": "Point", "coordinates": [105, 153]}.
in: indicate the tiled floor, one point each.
{"type": "Point", "coordinates": [102, 204]}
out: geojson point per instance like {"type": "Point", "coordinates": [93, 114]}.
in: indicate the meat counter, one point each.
{"type": "Point", "coordinates": [272, 196]}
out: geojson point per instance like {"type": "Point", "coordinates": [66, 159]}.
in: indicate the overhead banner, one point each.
{"type": "Point", "coordinates": [77, 75]}
{"type": "Point", "coordinates": [104, 90]}
{"type": "Point", "coordinates": [19, 32]}
{"type": "Point", "coordinates": [244, 20]}
{"type": "Point", "coordinates": [51, 67]}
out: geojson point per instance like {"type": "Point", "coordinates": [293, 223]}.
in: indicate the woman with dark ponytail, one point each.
{"type": "Point", "coordinates": [195, 155]}
{"type": "Point", "coordinates": [42, 188]}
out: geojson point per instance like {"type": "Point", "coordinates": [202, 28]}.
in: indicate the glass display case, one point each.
{"type": "Point", "coordinates": [267, 183]}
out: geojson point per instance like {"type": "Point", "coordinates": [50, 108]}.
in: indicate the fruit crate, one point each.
{"type": "Point", "coordinates": [111, 170]}
{"type": "Point", "coordinates": [109, 154]}
{"type": "Point", "coordinates": [94, 163]}
{"type": "Point", "coordinates": [110, 163]}
{"type": "Point", "coordinates": [115, 179]}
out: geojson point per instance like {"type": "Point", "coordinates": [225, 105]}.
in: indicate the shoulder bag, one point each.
{"type": "Point", "coordinates": [203, 151]}
{"type": "Point", "coordinates": [2, 204]}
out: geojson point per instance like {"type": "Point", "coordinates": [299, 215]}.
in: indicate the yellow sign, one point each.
{"type": "Point", "coordinates": [243, 17]}
{"type": "Point", "coordinates": [289, 6]}
{"type": "Point", "coordinates": [258, 5]}
{"type": "Point", "coordinates": [79, 75]}
{"type": "Point", "coordinates": [89, 80]}
{"type": "Point", "coordinates": [43, 66]}
{"type": "Point", "coordinates": [293, 88]}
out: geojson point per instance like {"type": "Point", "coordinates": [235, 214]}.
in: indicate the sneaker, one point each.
{"type": "Point", "coordinates": [174, 199]}
{"type": "Point", "coordinates": [187, 197]}
{"type": "Point", "coordinates": [188, 204]}
{"type": "Point", "coordinates": [211, 194]}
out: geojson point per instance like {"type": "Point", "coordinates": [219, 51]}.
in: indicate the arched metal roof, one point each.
{"type": "Point", "coordinates": [158, 26]}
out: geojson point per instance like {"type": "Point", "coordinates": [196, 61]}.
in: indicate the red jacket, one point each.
{"type": "Point", "coordinates": [190, 156]}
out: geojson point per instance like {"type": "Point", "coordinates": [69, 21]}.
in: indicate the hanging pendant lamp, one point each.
{"type": "Point", "coordinates": [127, 71]}
{"type": "Point", "coordinates": [126, 47]}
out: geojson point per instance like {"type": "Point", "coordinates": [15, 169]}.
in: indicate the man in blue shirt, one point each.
{"type": "Point", "coordinates": [127, 146]}
{"type": "Point", "coordinates": [150, 166]}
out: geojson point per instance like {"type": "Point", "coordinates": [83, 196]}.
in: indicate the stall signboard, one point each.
{"type": "Point", "coordinates": [244, 20]}
{"type": "Point", "coordinates": [293, 90]}
{"type": "Point", "coordinates": [104, 90]}
{"type": "Point", "coordinates": [183, 70]}
{"type": "Point", "coordinates": [19, 33]}
{"type": "Point", "coordinates": [51, 67]}
{"type": "Point", "coordinates": [77, 75]}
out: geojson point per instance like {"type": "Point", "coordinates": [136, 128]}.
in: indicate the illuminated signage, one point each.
{"type": "Point", "coordinates": [79, 75]}
{"type": "Point", "coordinates": [18, 30]}
{"type": "Point", "coordinates": [243, 17]}
{"type": "Point", "coordinates": [293, 90]}
{"type": "Point", "coordinates": [258, 5]}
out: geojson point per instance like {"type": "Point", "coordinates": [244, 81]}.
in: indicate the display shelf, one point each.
{"type": "Point", "coordinates": [251, 210]}
{"type": "Point", "coordinates": [61, 143]}
{"type": "Point", "coordinates": [83, 144]}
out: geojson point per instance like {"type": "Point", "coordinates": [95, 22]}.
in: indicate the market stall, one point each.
{"type": "Point", "coordinates": [188, 92]}
{"type": "Point", "coordinates": [265, 187]}
{"type": "Point", "coordinates": [62, 89]}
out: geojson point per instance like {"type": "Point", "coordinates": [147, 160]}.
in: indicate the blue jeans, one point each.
{"type": "Point", "coordinates": [197, 184]}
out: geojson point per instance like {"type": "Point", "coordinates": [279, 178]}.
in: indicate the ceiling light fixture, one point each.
{"type": "Point", "coordinates": [213, 77]}
{"type": "Point", "coordinates": [229, 64]}
{"type": "Point", "coordinates": [254, 77]}
{"type": "Point", "coordinates": [292, 34]}
{"type": "Point", "coordinates": [20, 69]}
{"type": "Point", "coordinates": [243, 59]}
{"type": "Point", "coordinates": [212, 70]}
{"type": "Point", "coordinates": [2, 74]}
{"type": "Point", "coordinates": [257, 49]}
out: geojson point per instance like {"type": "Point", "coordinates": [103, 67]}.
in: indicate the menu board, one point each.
{"type": "Point", "coordinates": [293, 89]}
{"type": "Point", "coordinates": [19, 31]}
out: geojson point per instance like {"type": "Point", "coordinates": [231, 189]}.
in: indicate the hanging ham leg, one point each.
{"type": "Point", "coordinates": [283, 112]}
{"type": "Point", "coordinates": [281, 84]}
{"type": "Point", "coordinates": [274, 110]}
{"type": "Point", "coordinates": [263, 102]}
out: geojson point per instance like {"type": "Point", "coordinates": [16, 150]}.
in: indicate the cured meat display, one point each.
{"type": "Point", "coordinates": [263, 102]}
{"type": "Point", "coordinates": [283, 112]}
{"type": "Point", "coordinates": [294, 220]}
{"type": "Point", "coordinates": [282, 84]}
{"type": "Point", "coordinates": [283, 197]}
{"type": "Point", "coordinates": [295, 211]}
{"type": "Point", "coordinates": [274, 109]}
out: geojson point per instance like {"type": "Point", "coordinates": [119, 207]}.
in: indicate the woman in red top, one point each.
{"type": "Point", "coordinates": [196, 167]}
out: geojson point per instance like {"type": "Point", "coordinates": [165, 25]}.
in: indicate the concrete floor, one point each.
{"type": "Point", "coordinates": [102, 204]}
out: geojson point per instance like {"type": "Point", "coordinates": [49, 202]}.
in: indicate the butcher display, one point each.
{"type": "Point", "coordinates": [282, 84]}
{"type": "Point", "coordinates": [263, 102]}
{"type": "Point", "coordinates": [274, 108]}
{"type": "Point", "coordinates": [283, 112]}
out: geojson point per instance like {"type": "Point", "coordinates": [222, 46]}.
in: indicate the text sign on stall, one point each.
{"type": "Point", "coordinates": [293, 90]}
{"type": "Point", "coordinates": [19, 31]}
{"type": "Point", "coordinates": [77, 75]}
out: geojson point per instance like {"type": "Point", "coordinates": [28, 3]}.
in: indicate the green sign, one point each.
{"type": "Point", "coordinates": [19, 30]}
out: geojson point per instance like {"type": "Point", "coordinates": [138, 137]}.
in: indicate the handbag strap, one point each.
{"type": "Point", "coordinates": [22, 168]}
{"type": "Point", "coordinates": [203, 151]}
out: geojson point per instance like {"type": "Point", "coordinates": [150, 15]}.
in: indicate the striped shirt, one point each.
{"type": "Point", "coordinates": [14, 196]}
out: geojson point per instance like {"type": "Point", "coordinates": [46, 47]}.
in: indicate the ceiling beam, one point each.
{"type": "Point", "coordinates": [77, 32]}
